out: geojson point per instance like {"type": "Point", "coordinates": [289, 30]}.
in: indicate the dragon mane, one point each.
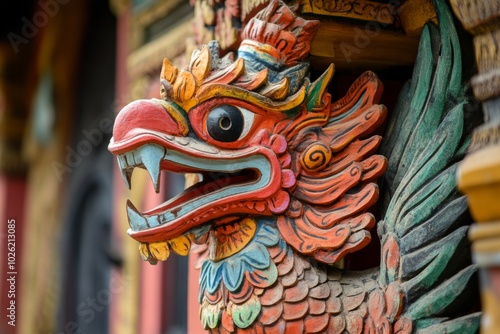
{"type": "Point", "coordinates": [325, 149]}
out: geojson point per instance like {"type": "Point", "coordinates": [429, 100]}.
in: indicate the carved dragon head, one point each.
{"type": "Point", "coordinates": [286, 177]}
{"type": "Point", "coordinates": [265, 142]}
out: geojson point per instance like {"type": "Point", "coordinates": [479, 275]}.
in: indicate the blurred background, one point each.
{"type": "Point", "coordinates": [66, 68]}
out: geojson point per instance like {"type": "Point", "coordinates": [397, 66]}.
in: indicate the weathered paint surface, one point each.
{"type": "Point", "coordinates": [287, 179]}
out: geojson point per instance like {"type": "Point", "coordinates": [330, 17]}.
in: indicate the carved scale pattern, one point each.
{"type": "Point", "coordinates": [312, 298]}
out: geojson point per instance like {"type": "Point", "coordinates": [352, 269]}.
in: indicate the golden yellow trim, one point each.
{"type": "Point", "coordinates": [200, 65]}
{"type": "Point", "coordinates": [481, 167]}
{"type": "Point", "coordinates": [479, 177]}
{"type": "Point", "coordinates": [181, 121]}
{"type": "Point", "coordinates": [181, 245]}
{"type": "Point", "coordinates": [210, 91]}
{"type": "Point", "coordinates": [168, 71]}
{"type": "Point", "coordinates": [159, 250]}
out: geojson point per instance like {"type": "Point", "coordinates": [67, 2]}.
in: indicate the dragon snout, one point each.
{"type": "Point", "coordinates": [145, 118]}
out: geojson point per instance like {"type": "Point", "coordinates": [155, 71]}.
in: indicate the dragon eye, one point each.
{"type": "Point", "coordinates": [227, 123]}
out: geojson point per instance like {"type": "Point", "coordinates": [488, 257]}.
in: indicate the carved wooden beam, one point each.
{"type": "Point", "coordinates": [479, 175]}
{"type": "Point", "coordinates": [414, 14]}
{"type": "Point", "coordinates": [371, 38]}
{"type": "Point", "coordinates": [367, 46]}
{"type": "Point", "coordinates": [363, 10]}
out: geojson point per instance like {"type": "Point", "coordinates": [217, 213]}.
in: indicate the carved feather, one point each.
{"type": "Point", "coordinates": [424, 213]}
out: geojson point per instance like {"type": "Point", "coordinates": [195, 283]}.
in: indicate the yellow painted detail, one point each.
{"type": "Point", "coordinates": [181, 245]}
{"type": "Point", "coordinates": [181, 121]}
{"type": "Point", "coordinates": [479, 177]}
{"type": "Point", "coordinates": [230, 239]}
{"type": "Point", "coordinates": [210, 91]}
{"type": "Point", "coordinates": [168, 71]}
{"type": "Point", "coordinates": [144, 251]}
{"type": "Point", "coordinates": [277, 91]}
{"type": "Point", "coordinates": [315, 157]}
{"type": "Point", "coordinates": [184, 87]}
{"type": "Point", "coordinates": [201, 64]}
{"type": "Point", "coordinates": [159, 250]}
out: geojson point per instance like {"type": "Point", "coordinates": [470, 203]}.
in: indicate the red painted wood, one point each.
{"type": "Point", "coordinates": [12, 200]}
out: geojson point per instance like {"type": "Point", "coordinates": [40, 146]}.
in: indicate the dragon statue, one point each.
{"type": "Point", "coordinates": [286, 179]}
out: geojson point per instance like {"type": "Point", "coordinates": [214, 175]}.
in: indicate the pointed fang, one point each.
{"type": "Point", "coordinates": [126, 173]}
{"type": "Point", "coordinates": [136, 220]}
{"type": "Point", "coordinates": [151, 156]}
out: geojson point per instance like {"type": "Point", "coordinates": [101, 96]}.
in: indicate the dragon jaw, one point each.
{"type": "Point", "coordinates": [234, 183]}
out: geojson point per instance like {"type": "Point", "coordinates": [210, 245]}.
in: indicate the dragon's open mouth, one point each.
{"type": "Point", "coordinates": [229, 181]}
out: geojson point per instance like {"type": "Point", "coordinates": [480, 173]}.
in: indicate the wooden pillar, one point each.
{"type": "Point", "coordinates": [479, 174]}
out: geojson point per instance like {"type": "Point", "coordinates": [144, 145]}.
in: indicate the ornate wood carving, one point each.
{"type": "Point", "coordinates": [479, 174]}
{"type": "Point", "coordinates": [355, 9]}
{"type": "Point", "coordinates": [414, 14]}
{"type": "Point", "coordinates": [288, 177]}
{"type": "Point", "coordinates": [371, 30]}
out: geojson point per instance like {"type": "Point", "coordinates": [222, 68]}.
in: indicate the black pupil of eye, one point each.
{"type": "Point", "coordinates": [225, 123]}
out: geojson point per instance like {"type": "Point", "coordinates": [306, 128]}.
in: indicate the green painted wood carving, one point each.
{"type": "Point", "coordinates": [287, 178]}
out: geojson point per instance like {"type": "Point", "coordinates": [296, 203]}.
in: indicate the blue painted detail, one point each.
{"type": "Point", "coordinates": [136, 220]}
{"type": "Point", "coordinates": [255, 256]}
{"type": "Point", "coordinates": [152, 221]}
{"type": "Point", "coordinates": [256, 161]}
{"type": "Point", "coordinates": [256, 61]}
{"type": "Point", "coordinates": [151, 156]}
{"type": "Point", "coordinates": [295, 75]}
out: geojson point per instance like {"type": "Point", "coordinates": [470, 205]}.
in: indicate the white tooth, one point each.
{"type": "Point", "coordinates": [126, 173]}
{"type": "Point", "coordinates": [151, 156]}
